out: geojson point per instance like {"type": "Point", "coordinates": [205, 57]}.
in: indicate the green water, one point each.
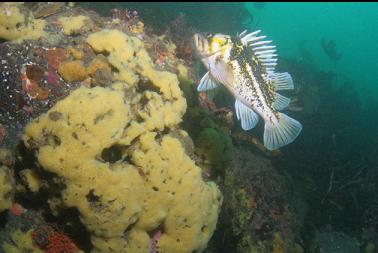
{"type": "Point", "coordinates": [295, 27]}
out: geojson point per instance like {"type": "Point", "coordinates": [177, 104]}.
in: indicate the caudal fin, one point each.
{"type": "Point", "coordinates": [281, 133]}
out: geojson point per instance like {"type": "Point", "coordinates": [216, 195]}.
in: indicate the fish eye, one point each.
{"type": "Point", "coordinates": [209, 35]}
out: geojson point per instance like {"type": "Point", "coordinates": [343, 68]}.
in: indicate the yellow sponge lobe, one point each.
{"type": "Point", "coordinates": [16, 27]}
{"type": "Point", "coordinates": [72, 25]}
{"type": "Point", "coordinates": [160, 187]}
{"type": "Point", "coordinates": [6, 188]}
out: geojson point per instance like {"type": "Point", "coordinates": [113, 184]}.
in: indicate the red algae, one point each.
{"type": "Point", "coordinates": [52, 241]}
{"type": "Point", "coordinates": [55, 56]}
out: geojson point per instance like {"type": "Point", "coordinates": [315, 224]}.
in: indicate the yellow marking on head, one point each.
{"type": "Point", "coordinates": [214, 46]}
{"type": "Point", "coordinates": [218, 40]}
{"type": "Point", "coordinates": [218, 44]}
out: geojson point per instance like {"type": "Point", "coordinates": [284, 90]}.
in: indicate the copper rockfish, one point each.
{"type": "Point", "coordinates": [245, 65]}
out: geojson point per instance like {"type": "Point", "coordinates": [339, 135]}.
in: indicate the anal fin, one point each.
{"type": "Point", "coordinates": [281, 102]}
{"type": "Point", "coordinates": [248, 117]}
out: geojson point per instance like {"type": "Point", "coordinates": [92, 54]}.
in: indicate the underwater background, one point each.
{"type": "Point", "coordinates": [300, 27]}
{"type": "Point", "coordinates": [107, 146]}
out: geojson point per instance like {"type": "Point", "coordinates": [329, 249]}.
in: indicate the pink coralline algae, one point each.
{"type": "Point", "coordinates": [17, 209]}
{"type": "Point", "coordinates": [55, 56]}
{"type": "Point", "coordinates": [128, 17]}
{"type": "Point", "coordinates": [154, 240]}
{"type": "Point", "coordinates": [52, 77]}
{"type": "Point", "coordinates": [206, 102]}
{"type": "Point", "coordinates": [124, 14]}
{"type": "Point", "coordinates": [31, 76]}
{"type": "Point", "coordinates": [3, 132]}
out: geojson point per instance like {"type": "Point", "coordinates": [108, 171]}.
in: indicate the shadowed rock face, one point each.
{"type": "Point", "coordinates": [20, 103]}
{"type": "Point", "coordinates": [256, 214]}
{"type": "Point", "coordinates": [225, 17]}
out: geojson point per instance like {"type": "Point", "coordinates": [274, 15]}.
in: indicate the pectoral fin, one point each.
{"type": "Point", "coordinates": [222, 73]}
{"type": "Point", "coordinates": [207, 83]}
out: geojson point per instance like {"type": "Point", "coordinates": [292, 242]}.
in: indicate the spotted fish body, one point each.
{"type": "Point", "coordinates": [245, 66]}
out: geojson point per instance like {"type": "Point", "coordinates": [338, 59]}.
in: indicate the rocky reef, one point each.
{"type": "Point", "coordinates": [106, 146]}
{"type": "Point", "coordinates": [260, 212]}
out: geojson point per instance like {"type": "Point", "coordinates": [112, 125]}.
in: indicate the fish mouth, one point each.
{"type": "Point", "coordinates": [201, 44]}
{"type": "Point", "coordinates": [196, 40]}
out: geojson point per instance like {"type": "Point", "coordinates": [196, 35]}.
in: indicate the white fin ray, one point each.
{"type": "Point", "coordinates": [268, 60]}
{"type": "Point", "coordinates": [207, 83]}
{"type": "Point", "coordinates": [248, 40]}
{"type": "Point", "coordinates": [248, 117]}
{"type": "Point", "coordinates": [264, 56]}
{"type": "Point", "coordinates": [269, 64]}
{"type": "Point", "coordinates": [242, 33]}
{"type": "Point", "coordinates": [280, 102]}
{"type": "Point", "coordinates": [249, 34]}
{"type": "Point", "coordinates": [282, 81]}
{"type": "Point", "coordinates": [255, 44]}
{"type": "Point", "coordinates": [250, 37]}
{"type": "Point", "coordinates": [265, 52]}
{"type": "Point", "coordinates": [281, 133]}
{"type": "Point", "coordinates": [255, 32]}
{"type": "Point", "coordinates": [265, 47]}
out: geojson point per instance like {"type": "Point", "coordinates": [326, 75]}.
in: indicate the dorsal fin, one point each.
{"type": "Point", "coordinates": [281, 81]}
{"type": "Point", "coordinates": [261, 48]}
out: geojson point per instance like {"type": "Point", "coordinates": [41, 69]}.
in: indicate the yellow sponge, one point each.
{"type": "Point", "coordinates": [157, 186]}
{"type": "Point", "coordinates": [14, 25]}
{"type": "Point", "coordinates": [73, 25]}
{"type": "Point", "coordinates": [6, 188]}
